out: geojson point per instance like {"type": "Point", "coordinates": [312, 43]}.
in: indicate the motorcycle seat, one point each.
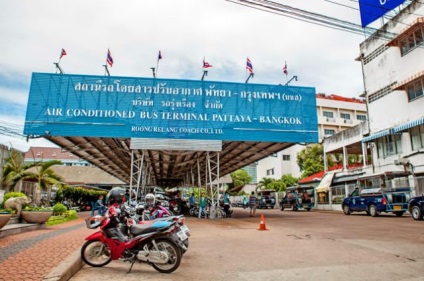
{"type": "Point", "coordinates": [139, 229]}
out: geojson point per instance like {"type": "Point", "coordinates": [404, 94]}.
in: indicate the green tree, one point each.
{"type": "Point", "coordinates": [277, 185]}
{"type": "Point", "coordinates": [45, 176]}
{"type": "Point", "coordinates": [264, 183]}
{"type": "Point", "coordinates": [15, 170]}
{"type": "Point", "coordinates": [289, 180]}
{"type": "Point", "coordinates": [311, 160]}
{"type": "Point", "coordinates": [240, 178]}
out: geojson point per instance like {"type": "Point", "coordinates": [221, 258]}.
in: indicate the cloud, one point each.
{"type": "Point", "coordinates": [34, 32]}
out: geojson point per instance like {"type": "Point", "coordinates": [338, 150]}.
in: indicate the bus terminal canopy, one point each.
{"type": "Point", "coordinates": [171, 123]}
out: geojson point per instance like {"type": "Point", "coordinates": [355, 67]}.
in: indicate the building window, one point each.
{"type": "Point", "coordinates": [270, 172]}
{"type": "Point", "coordinates": [415, 89]}
{"type": "Point", "coordinates": [328, 114]}
{"type": "Point", "coordinates": [389, 145]}
{"type": "Point", "coordinates": [345, 116]}
{"type": "Point", "coordinates": [328, 132]}
{"type": "Point", "coordinates": [323, 197]}
{"type": "Point", "coordinates": [361, 117]}
{"type": "Point", "coordinates": [417, 137]}
{"type": "Point", "coordinates": [337, 194]}
{"type": "Point", "coordinates": [286, 157]}
{"type": "Point", "coordinates": [411, 41]}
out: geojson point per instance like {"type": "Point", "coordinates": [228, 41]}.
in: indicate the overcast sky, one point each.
{"type": "Point", "coordinates": [34, 32]}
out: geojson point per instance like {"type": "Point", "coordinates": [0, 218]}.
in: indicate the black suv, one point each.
{"type": "Point", "coordinates": [416, 207]}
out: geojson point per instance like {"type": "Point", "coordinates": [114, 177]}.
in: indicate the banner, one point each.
{"type": "Point", "coordinates": [373, 9]}
{"type": "Point", "coordinates": [130, 107]}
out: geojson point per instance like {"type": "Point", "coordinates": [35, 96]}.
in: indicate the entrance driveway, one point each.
{"type": "Point", "coordinates": [299, 245]}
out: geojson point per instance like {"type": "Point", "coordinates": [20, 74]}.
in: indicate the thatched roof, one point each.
{"type": "Point", "coordinates": [85, 175]}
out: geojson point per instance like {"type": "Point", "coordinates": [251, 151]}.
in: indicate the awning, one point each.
{"type": "Point", "coordinates": [395, 41]}
{"type": "Point", "coordinates": [376, 136]}
{"type": "Point", "coordinates": [401, 85]}
{"type": "Point", "coordinates": [324, 185]}
{"type": "Point", "coordinates": [408, 125]}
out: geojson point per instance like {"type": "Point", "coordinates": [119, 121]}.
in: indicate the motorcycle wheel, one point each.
{"type": "Point", "coordinates": [174, 256]}
{"type": "Point", "coordinates": [95, 253]}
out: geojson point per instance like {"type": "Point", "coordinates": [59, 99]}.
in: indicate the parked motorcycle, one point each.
{"type": "Point", "coordinates": [147, 243]}
{"type": "Point", "coordinates": [155, 209]}
{"type": "Point", "coordinates": [129, 217]}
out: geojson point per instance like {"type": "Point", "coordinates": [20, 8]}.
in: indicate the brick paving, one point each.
{"type": "Point", "coordinates": [33, 255]}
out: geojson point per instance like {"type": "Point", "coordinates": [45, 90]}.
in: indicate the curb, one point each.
{"type": "Point", "coordinates": [66, 269]}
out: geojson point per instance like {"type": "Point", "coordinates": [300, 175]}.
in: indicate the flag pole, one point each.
{"type": "Point", "coordinates": [107, 73]}
{"type": "Point", "coordinates": [205, 73]}
{"type": "Point", "coordinates": [295, 79]}
{"type": "Point", "coordinates": [250, 75]}
{"type": "Point", "coordinates": [58, 68]}
{"type": "Point", "coordinates": [157, 63]}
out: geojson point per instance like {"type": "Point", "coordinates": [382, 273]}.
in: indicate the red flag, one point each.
{"type": "Point", "coordinates": [109, 58]}
{"type": "Point", "coordinates": [206, 64]}
{"type": "Point", "coordinates": [63, 53]}
{"type": "Point", "coordinates": [285, 69]}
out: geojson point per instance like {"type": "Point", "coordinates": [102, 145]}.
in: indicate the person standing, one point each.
{"type": "Point", "coordinates": [192, 200]}
{"type": "Point", "coordinates": [244, 202]}
{"type": "Point", "coordinates": [252, 204]}
{"type": "Point", "coordinates": [101, 206]}
{"type": "Point", "coordinates": [203, 201]}
{"type": "Point", "coordinates": [227, 204]}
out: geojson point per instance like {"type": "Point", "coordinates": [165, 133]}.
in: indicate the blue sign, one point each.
{"type": "Point", "coordinates": [373, 9]}
{"type": "Point", "coordinates": [132, 107]}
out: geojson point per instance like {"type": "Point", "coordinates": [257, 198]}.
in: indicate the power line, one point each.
{"type": "Point", "coordinates": [314, 18]}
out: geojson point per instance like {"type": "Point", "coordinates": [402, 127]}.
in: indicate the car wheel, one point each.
{"type": "Point", "coordinates": [346, 210]}
{"type": "Point", "coordinates": [373, 210]}
{"type": "Point", "coordinates": [416, 213]}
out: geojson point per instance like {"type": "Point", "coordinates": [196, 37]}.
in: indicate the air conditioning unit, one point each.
{"type": "Point", "coordinates": [402, 161]}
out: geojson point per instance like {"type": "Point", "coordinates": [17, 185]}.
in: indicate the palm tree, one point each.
{"type": "Point", "coordinates": [264, 183]}
{"type": "Point", "coordinates": [45, 176]}
{"type": "Point", "coordinates": [15, 169]}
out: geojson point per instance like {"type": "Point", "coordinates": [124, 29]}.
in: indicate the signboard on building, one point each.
{"type": "Point", "coordinates": [372, 10]}
{"type": "Point", "coordinates": [132, 107]}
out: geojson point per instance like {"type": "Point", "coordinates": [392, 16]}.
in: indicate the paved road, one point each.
{"type": "Point", "coordinates": [297, 246]}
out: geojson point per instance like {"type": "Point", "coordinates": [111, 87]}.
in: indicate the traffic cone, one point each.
{"type": "Point", "coordinates": [262, 224]}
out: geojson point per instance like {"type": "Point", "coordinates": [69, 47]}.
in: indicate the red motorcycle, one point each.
{"type": "Point", "coordinates": [146, 243]}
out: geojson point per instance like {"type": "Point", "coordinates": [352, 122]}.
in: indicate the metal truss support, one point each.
{"type": "Point", "coordinates": [137, 164]}
{"type": "Point", "coordinates": [212, 159]}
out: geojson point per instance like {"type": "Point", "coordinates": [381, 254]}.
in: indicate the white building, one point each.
{"type": "Point", "coordinates": [335, 114]}
{"type": "Point", "coordinates": [394, 88]}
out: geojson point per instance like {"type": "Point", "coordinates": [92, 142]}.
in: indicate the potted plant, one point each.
{"type": "Point", "coordinates": [5, 215]}
{"type": "Point", "coordinates": [36, 214]}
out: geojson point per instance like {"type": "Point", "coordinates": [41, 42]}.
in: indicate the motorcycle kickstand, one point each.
{"type": "Point", "coordinates": [132, 261]}
{"type": "Point", "coordinates": [132, 264]}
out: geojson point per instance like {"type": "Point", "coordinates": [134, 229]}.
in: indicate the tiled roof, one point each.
{"type": "Point", "coordinates": [318, 176]}
{"type": "Point", "coordinates": [339, 98]}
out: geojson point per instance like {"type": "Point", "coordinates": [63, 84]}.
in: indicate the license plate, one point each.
{"type": "Point", "coordinates": [184, 228]}
{"type": "Point", "coordinates": [182, 235]}
{"type": "Point", "coordinates": [397, 208]}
